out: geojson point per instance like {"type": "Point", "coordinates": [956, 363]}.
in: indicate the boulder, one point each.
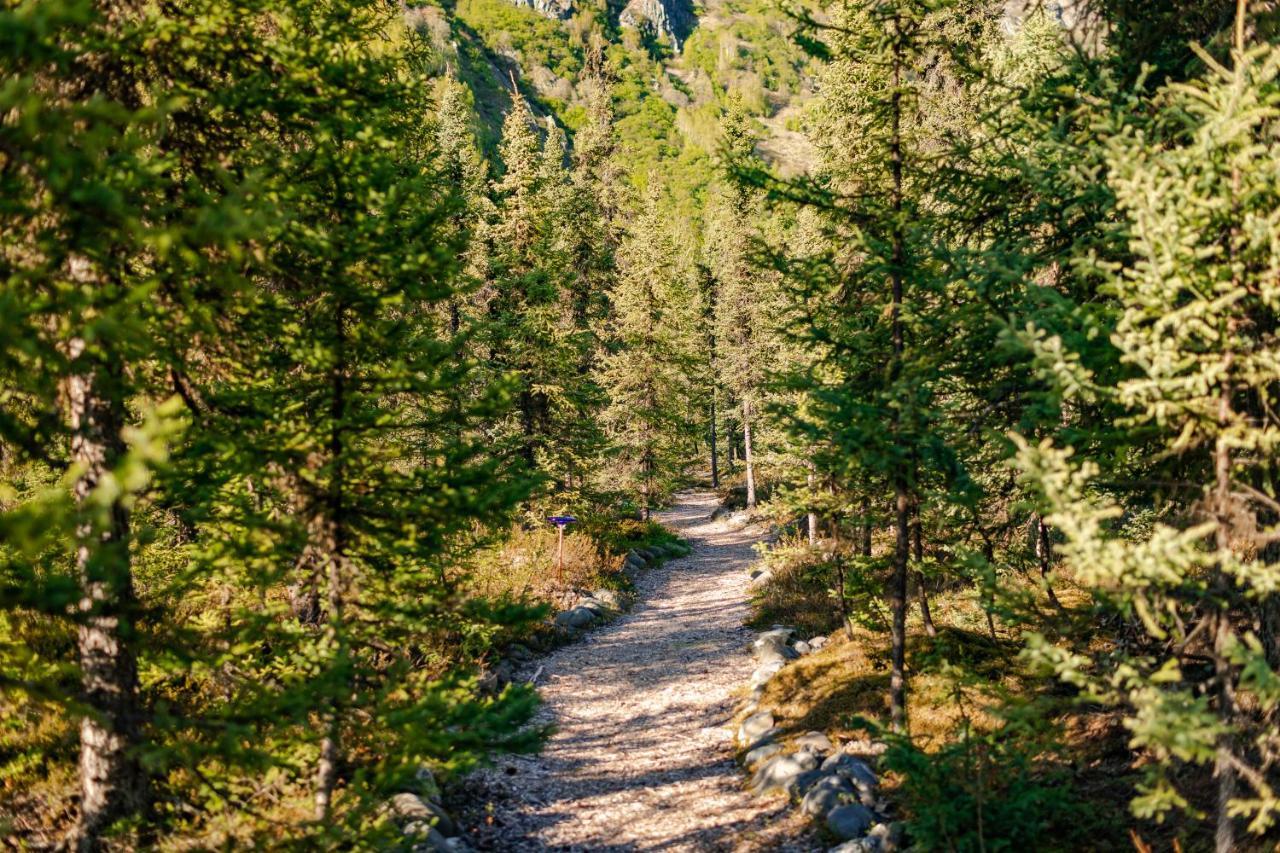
{"type": "Point", "coordinates": [766, 671]}
{"type": "Point", "coordinates": [411, 811]}
{"type": "Point", "coordinates": [648, 554]}
{"type": "Point", "coordinates": [805, 781]}
{"type": "Point", "coordinates": [853, 769]}
{"type": "Point", "coordinates": [519, 653]}
{"type": "Point", "coordinates": [633, 558]}
{"type": "Point", "coordinates": [889, 835]}
{"type": "Point", "coordinates": [816, 643]}
{"type": "Point", "coordinates": [858, 845]}
{"type": "Point", "coordinates": [802, 648]}
{"type": "Point", "coordinates": [827, 793]}
{"type": "Point", "coordinates": [755, 727]}
{"type": "Point", "coordinates": [610, 598]}
{"type": "Point", "coordinates": [595, 606]}
{"type": "Point", "coordinates": [814, 742]}
{"type": "Point", "coordinates": [760, 579]}
{"type": "Point", "coordinates": [577, 617]}
{"type": "Point", "coordinates": [781, 772]}
{"type": "Point", "coordinates": [849, 821]}
{"type": "Point", "coordinates": [772, 646]}
{"type": "Point", "coordinates": [763, 752]}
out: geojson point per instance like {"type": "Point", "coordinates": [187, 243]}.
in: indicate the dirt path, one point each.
{"type": "Point", "coordinates": [642, 758]}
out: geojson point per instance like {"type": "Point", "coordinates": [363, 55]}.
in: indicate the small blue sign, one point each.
{"type": "Point", "coordinates": [561, 520]}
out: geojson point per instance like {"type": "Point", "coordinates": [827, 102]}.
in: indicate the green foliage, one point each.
{"type": "Point", "coordinates": [989, 791]}
{"type": "Point", "coordinates": [505, 27]}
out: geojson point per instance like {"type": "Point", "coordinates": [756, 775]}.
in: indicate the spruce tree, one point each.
{"type": "Point", "coordinates": [340, 456]}
{"type": "Point", "coordinates": [644, 374]}
{"type": "Point", "coordinates": [1197, 327]}
{"type": "Point", "coordinates": [125, 223]}
{"type": "Point", "coordinates": [745, 299]}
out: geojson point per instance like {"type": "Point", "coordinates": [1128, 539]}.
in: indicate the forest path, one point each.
{"type": "Point", "coordinates": [642, 756]}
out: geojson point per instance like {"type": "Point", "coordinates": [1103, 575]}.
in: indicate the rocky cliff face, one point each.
{"type": "Point", "coordinates": [558, 10]}
{"type": "Point", "coordinates": [670, 18]}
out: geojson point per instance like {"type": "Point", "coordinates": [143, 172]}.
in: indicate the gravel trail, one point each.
{"type": "Point", "coordinates": [642, 757]}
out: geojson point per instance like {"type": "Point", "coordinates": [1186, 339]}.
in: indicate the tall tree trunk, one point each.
{"type": "Point", "coordinates": [746, 452]}
{"type": "Point", "coordinates": [898, 581]}
{"type": "Point", "coordinates": [331, 742]}
{"type": "Point", "coordinates": [866, 527]}
{"type": "Point", "coordinates": [715, 460]}
{"type": "Point", "coordinates": [813, 516]}
{"type": "Point", "coordinates": [1044, 553]}
{"type": "Point", "coordinates": [112, 782]}
{"type": "Point", "coordinates": [329, 532]}
{"type": "Point", "coordinates": [898, 607]}
{"type": "Point", "coordinates": [1224, 764]}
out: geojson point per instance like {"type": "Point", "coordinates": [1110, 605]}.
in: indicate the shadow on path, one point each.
{"type": "Point", "coordinates": [642, 758]}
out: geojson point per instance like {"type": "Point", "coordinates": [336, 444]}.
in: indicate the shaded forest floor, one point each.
{"type": "Point", "coordinates": [641, 757]}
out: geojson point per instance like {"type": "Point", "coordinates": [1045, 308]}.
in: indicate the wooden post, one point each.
{"type": "Point", "coordinates": [560, 554]}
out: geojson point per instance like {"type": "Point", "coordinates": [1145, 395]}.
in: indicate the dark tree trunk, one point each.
{"type": "Point", "coordinates": [898, 580]}
{"type": "Point", "coordinates": [715, 460]}
{"type": "Point", "coordinates": [746, 452]}
{"type": "Point", "coordinates": [866, 528]}
{"type": "Point", "coordinates": [328, 534]}
{"type": "Point", "coordinates": [1044, 552]}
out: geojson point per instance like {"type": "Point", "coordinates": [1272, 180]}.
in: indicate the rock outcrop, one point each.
{"type": "Point", "coordinates": [672, 19]}
{"type": "Point", "coordinates": [559, 10]}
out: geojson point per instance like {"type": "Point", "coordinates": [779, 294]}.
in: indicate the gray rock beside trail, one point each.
{"type": "Point", "coordinates": [816, 643]}
{"type": "Point", "coordinates": [755, 727]}
{"type": "Point", "coordinates": [889, 835]}
{"type": "Point", "coordinates": [770, 652]}
{"type": "Point", "coordinates": [760, 753]}
{"type": "Point", "coordinates": [596, 606]}
{"type": "Point", "coordinates": [827, 793]}
{"type": "Point", "coordinates": [578, 617]}
{"type": "Point", "coordinates": [858, 845]}
{"type": "Point", "coordinates": [416, 814]}
{"type": "Point", "coordinates": [610, 598]}
{"type": "Point", "coordinates": [766, 671]}
{"type": "Point", "coordinates": [853, 769]}
{"type": "Point", "coordinates": [814, 742]}
{"type": "Point", "coordinates": [781, 772]}
{"type": "Point", "coordinates": [850, 821]}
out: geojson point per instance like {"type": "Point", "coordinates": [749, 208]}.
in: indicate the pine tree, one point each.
{"type": "Point", "coordinates": [529, 310]}
{"type": "Point", "coordinates": [124, 225]}
{"type": "Point", "coordinates": [1197, 328]}
{"type": "Point", "coordinates": [745, 300]}
{"type": "Point", "coordinates": [644, 374]}
{"type": "Point", "coordinates": [341, 457]}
